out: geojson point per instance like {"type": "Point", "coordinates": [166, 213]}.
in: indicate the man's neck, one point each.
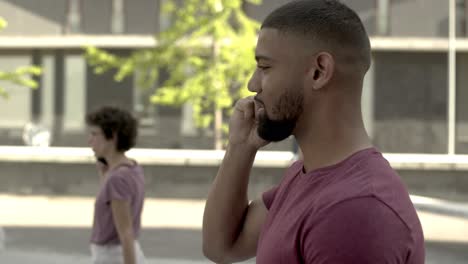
{"type": "Point", "coordinates": [117, 158]}
{"type": "Point", "coordinates": [330, 143]}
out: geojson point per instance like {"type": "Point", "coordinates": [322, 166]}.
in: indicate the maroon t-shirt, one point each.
{"type": "Point", "coordinates": [125, 183]}
{"type": "Point", "coordinates": [356, 211]}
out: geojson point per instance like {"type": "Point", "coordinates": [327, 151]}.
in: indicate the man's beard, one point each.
{"type": "Point", "coordinates": [278, 130]}
{"type": "Point", "coordinates": [275, 130]}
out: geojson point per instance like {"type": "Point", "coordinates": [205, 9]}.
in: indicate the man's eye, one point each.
{"type": "Point", "coordinates": [262, 67]}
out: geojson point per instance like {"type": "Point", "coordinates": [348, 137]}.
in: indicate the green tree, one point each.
{"type": "Point", "coordinates": [20, 76]}
{"type": "Point", "coordinates": [208, 53]}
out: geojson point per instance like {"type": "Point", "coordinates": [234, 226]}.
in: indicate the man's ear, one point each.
{"type": "Point", "coordinates": [321, 70]}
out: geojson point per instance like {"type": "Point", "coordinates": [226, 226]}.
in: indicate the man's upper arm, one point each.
{"type": "Point", "coordinates": [245, 246]}
{"type": "Point", "coordinates": [117, 187]}
{"type": "Point", "coordinates": [119, 197]}
{"type": "Point", "coordinates": [122, 217]}
{"type": "Point", "coordinates": [362, 230]}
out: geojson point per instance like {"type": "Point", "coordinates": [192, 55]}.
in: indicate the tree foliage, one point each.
{"type": "Point", "coordinates": [21, 75]}
{"type": "Point", "coordinates": [207, 51]}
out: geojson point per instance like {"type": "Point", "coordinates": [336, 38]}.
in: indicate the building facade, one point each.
{"type": "Point", "coordinates": [414, 101]}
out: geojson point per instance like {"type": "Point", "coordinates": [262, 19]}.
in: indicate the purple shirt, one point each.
{"type": "Point", "coordinates": [125, 183]}
{"type": "Point", "coordinates": [356, 211]}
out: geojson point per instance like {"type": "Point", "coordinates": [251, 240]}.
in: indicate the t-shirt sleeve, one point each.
{"type": "Point", "coordinates": [269, 197]}
{"type": "Point", "coordinates": [361, 230]}
{"type": "Point", "coordinates": [117, 187]}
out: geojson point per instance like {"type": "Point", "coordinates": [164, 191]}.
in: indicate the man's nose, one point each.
{"type": "Point", "coordinates": [254, 85]}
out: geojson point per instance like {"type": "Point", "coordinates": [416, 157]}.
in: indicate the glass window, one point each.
{"type": "Point", "coordinates": [259, 12]}
{"type": "Point", "coordinates": [415, 18]}
{"type": "Point", "coordinates": [462, 105]}
{"type": "Point", "coordinates": [136, 9]}
{"type": "Point", "coordinates": [47, 87]}
{"type": "Point", "coordinates": [410, 108]}
{"type": "Point", "coordinates": [16, 110]}
{"type": "Point", "coordinates": [75, 93]}
{"type": "Point", "coordinates": [367, 101]}
{"type": "Point", "coordinates": [96, 16]}
{"type": "Point", "coordinates": [366, 9]}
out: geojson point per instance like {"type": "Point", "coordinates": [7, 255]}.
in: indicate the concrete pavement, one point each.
{"type": "Point", "coordinates": [20, 257]}
{"type": "Point", "coordinates": [42, 230]}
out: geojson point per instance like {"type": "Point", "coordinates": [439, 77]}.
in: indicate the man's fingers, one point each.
{"type": "Point", "coordinates": [246, 106]}
{"type": "Point", "coordinates": [249, 112]}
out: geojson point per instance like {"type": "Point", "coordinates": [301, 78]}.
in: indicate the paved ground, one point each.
{"type": "Point", "coordinates": [44, 230]}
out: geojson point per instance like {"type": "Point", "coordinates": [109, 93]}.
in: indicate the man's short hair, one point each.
{"type": "Point", "coordinates": [115, 121]}
{"type": "Point", "coordinates": [330, 22]}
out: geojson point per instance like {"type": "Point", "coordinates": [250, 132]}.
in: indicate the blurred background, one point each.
{"type": "Point", "coordinates": [86, 53]}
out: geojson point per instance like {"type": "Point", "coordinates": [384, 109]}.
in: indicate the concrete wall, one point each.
{"type": "Point", "coordinates": [190, 182]}
{"type": "Point", "coordinates": [82, 180]}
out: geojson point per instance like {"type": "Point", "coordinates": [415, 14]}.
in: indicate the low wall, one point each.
{"type": "Point", "coordinates": [189, 173]}
{"type": "Point", "coordinates": [191, 182]}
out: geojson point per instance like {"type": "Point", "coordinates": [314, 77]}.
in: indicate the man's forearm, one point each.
{"type": "Point", "coordinates": [227, 201]}
{"type": "Point", "coordinates": [128, 250]}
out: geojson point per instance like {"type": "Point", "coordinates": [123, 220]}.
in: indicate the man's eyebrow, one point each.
{"type": "Point", "coordinates": [262, 57]}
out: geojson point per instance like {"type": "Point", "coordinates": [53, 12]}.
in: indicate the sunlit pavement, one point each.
{"type": "Point", "coordinates": [15, 257]}
{"type": "Point", "coordinates": [42, 230]}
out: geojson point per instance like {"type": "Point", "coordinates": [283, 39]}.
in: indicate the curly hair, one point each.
{"type": "Point", "coordinates": [115, 121]}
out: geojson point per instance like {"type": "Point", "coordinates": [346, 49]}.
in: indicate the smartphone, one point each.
{"type": "Point", "coordinates": [102, 160]}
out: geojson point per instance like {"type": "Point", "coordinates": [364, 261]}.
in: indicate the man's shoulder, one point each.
{"type": "Point", "coordinates": [365, 206]}
{"type": "Point", "coordinates": [126, 169]}
{"type": "Point", "coordinates": [360, 230]}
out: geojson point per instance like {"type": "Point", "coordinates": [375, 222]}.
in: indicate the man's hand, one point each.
{"type": "Point", "coordinates": [244, 123]}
